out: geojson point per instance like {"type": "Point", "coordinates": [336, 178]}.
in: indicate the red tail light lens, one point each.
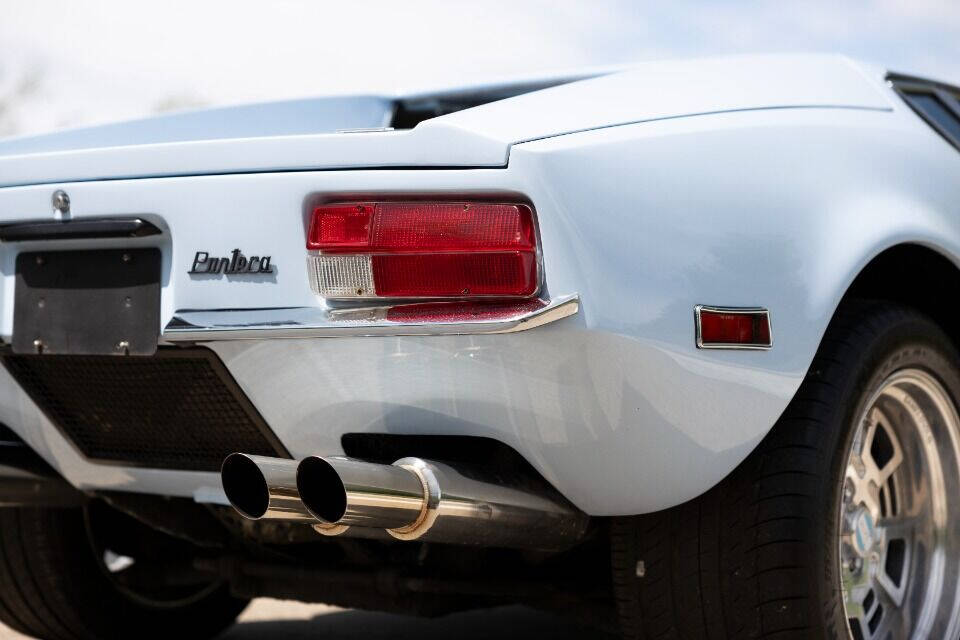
{"type": "Point", "coordinates": [455, 274]}
{"type": "Point", "coordinates": [340, 227]}
{"type": "Point", "coordinates": [419, 227]}
{"type": "Point", "coordinates": [423, 250]}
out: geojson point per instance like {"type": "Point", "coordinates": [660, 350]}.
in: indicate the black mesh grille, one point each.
{"type": "Point", "coordinates": [179, 409]}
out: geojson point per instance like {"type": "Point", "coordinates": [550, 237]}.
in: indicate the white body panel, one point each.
{"type": "Point", "coordinates": [478, 137]}
{"type": "Point", "coordinates": [745, 205]}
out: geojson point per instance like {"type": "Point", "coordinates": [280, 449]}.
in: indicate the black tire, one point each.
{"type": "Point", "coordinates": [53, 586]}
{"type": "Point", "coordinates": [757, 556]}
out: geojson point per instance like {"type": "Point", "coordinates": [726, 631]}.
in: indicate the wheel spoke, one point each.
{"type": "Point", "coordinates": [896, 458]}
{"type": "Point", "coordinates": [864, 473]}
{"type": "Point", "coordinates": [901, 527]}
{"type": "Point", "coordinates": [865, 491]}
{"type": "Point", "coordinates": [878, 472]}
{"type": "Point", "coordinates": [888, 623]}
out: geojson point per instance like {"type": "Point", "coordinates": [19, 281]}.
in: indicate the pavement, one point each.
{"type": "Point", "coordinates": [287, 620]}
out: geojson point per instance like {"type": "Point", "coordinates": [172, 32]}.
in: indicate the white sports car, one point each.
{"type": "Point", "coordinates": [672, 349]}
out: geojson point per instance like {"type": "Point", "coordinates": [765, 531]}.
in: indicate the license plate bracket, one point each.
{"type": "Point", "coordinates": [100, 302]}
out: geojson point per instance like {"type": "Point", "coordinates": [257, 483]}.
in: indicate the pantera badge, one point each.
{"type": "Point", "coordinates": [235, 264]}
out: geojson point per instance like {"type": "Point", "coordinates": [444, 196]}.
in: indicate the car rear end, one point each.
{"type": "Point", "coordinates": [318, 350]}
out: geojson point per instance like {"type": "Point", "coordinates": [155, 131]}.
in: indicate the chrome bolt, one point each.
{"type": "Point", "coordinates": [126, 257]}
{"type": "Point", "coordinates": [38, 345]}
{"type": "Point", "coordinates": [41, 303]}
{"type": "Point", "coordinates": [40, 260]}
{"type": "Point", "coordinates": [127, 301]}
{"type": "Point", "coordinates": [61, 201]}
{"type": "Point", "coordinates": [123, 346]}
{"type": "Point", "coordinates": [641, 569]}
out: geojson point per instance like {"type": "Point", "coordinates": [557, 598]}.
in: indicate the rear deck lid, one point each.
{"type": "Point", "coordinates": [462, 127]}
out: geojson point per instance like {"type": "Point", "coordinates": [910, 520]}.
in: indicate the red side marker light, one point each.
{"type": "Point", "coordinates": [732, 328]}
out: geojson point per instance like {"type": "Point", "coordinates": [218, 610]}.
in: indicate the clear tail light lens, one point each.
{"type": "Point", "coordinates": [423, 250]}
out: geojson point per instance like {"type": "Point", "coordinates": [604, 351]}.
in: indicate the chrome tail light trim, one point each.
{"type": "Point", "coordinates": [313, 322]}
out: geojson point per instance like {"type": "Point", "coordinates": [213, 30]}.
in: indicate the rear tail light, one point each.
{"type": "Point", "coordinates": [423, 250]}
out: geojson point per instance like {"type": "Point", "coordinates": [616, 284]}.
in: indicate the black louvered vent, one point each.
{"type": "Point", "coordinates": [178, 409]}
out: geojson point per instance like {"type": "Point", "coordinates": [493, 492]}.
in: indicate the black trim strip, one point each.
{"type": "Point", "coordinates": [74, 229]}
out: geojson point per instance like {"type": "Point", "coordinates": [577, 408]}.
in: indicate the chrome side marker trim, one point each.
{"type": "Point", "coordinates": [421, 319]}
{"type": "Point", "coordinates": [744, 328]}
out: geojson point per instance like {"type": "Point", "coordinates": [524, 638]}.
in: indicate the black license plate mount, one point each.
{"type": "Point", "coordinates": [96, 302]}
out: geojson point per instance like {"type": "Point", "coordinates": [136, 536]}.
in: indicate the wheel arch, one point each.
{"type": "Point", "coordinates": [917, 275]}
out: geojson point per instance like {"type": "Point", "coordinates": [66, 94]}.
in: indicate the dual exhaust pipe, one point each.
{"type": "Point", "coordinates": [411, 499]}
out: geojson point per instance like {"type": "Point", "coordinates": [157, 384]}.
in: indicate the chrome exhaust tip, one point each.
{"type": "Point", "coordinates": [346, 492]}
{"type": "Point", "coordinates": [324, 494]}
{"type": "Point", "coordinates": [414, 499]}
{"type": "Point", "coordinates": [259, 487]}
{"type": "Point", "coordinates": [411, 499]}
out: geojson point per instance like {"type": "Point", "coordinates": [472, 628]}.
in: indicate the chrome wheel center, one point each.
{"type": "Point", "coordinates": [899, 554]}
{"type": "Point", "coordinates": [864, 536]}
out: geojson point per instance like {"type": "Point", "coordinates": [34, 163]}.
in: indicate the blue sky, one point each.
{"type": "Point", "coordinates": [65, 63]}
